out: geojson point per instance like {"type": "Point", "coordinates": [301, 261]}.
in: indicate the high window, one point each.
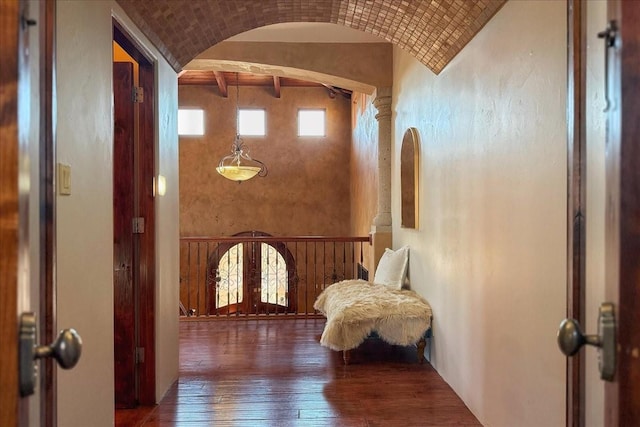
{"type": "Point", "coordinates": [311, 123]}
{"type": "Point", "coordinates": [251, 122]}
{"type": "Point", "coordinates": [190, 122]}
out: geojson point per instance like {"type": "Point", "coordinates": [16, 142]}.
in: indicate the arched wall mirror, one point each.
{"type": "Point", "coordinates": [409, 169]}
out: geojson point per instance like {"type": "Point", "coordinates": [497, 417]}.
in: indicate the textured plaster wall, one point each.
{"type": "Point", "coordinates": [490, 251]}
{"type": "Point", "coordinates": [364, 169]}
{"type": "Point", "coordinates": [85, 218]}
{"type": "Point", "coordinates": [307, 189]}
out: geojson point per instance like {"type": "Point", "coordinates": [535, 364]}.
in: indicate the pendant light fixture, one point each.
{"type": "Point", "coordinates": [239, 166]}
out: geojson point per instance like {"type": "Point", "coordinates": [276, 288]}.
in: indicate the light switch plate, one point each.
{"type": "Point", "coordinates": [64, 179]}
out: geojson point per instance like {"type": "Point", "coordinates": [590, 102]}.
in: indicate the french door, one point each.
{"type": "Point", "coordinates": [251, 277]}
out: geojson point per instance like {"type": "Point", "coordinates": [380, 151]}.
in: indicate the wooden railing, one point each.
{"type": "Point", "coordinates": [249, 276]}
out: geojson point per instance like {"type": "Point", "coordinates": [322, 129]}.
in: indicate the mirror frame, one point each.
{"type": "Point", "coordinates": [409, 182]}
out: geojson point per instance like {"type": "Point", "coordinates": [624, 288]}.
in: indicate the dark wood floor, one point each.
{"type": "Point", "coordinates": [275, 373]}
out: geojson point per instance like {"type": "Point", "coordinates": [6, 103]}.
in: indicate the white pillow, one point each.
{"type": "Point", "coordinates": [392, 268]}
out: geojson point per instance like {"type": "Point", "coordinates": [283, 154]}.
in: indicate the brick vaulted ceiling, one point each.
{"type": "Point", "coordinates": [433, 31]}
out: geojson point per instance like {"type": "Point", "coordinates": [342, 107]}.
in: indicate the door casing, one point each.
{"type": "Point", "coordinates": [622, 233]}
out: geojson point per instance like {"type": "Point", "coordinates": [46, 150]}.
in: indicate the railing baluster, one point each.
{"type": "Point", "coordinates": [237, 284]}
{"type": "Point", "coordinates": [354, 269]}
{"type": "Point", "coordinates": [324, 268]}
{"type": "Point", "coordinates": [344, 261]}
{"type": "Point", "coordinates": [301, 283]}
{"type": "Point", "coordinates": [361, 256]}
{"type": "Point", "coordinates": [198, 280]}
{"type": "Point", "coordinates": [189, 278]}
{"type": "Point", "coordinates": [277, 270]}
{"type": "Point", "coordinates": [306, 278]}
{"type": "Point", "coordinates": [217, 281]}
{"type": "Point", "coordinates": [207, 303]}
{"type": "Point", "coordinates": [315, 270]}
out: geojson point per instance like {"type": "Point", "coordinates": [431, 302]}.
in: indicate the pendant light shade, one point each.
{"type": "Point", "coordinates": [239, 166]}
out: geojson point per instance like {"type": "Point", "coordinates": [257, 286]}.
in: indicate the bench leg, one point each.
{"type": "Point", "coordinates": [422, 344]}
{"type": "Point", "coordinates": [346, 356]}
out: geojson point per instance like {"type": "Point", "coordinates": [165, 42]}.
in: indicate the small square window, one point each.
{"type": "Point", "coordinates": [190, 122]}
{"type": "Point", "coordinates": [311, 123]}
{"type": "Point", "coordinates": [251, 122]}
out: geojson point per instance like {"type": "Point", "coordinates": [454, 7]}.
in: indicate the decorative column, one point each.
{"type": "Point", "coordinates": [383, 104]}
{"type": "Point", "coordinates": [381, 228]}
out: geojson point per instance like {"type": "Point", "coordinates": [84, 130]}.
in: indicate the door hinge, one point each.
{"type": "Point", "coordinates": [139, 355]}
{"type": "Point", "coordinates": [27, 22]}
{"type": "Point", "coordinates": [137, 94]}
{"type": "Point", "coordinates": [138, 225]}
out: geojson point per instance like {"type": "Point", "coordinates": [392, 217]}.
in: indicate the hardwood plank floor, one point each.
{"type": "Point", "coordinates": [275, 373]}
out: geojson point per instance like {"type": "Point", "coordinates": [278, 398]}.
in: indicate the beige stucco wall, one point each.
{"type": "Point", "coordinates": [306, 191]}
{"type": "Point", "coordinates": [85, 218]}
{"type": "Point", "coordinates": [490, 251]}
{"type": "Point", "coordinates": [364, 170]}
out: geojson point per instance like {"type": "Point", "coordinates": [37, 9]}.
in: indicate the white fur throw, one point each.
{"type": "Point", "coordinates": [355, 308]}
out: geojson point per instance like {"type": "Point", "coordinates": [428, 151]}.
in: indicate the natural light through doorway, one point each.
{"type": "Point", "coordinates": [274, 277]}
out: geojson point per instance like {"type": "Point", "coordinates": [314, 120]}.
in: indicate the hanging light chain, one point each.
{"type": "Point", "coordinates": [231, 166]}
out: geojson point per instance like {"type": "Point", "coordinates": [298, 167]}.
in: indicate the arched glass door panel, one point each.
{"type": "Point", "coordinates": [274, 282]}
{"type": "Point", "coordinates": [230, 279]}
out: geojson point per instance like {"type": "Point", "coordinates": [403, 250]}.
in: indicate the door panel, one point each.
{"type": "Point", "coordinates": [147, 252]}
{"type": "Point", "coordinates": [9, 152]}
{"type": "Point", "coordinates": [123, 250]}
{"type": "Point", "coordinates": [26, 188]}
{"type": "Point", "coordinates": [141, 168]}
{"type": "Point", "coordinates": [621, 214]}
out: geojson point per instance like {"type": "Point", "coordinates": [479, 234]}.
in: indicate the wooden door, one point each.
{"type": "Point", "coordinates": [622, 216]}
{"type": "Point", "coordinates": [146, 241]}
{"type": "Point", "coordinates": [134, 150]}
{"type": "Point", "coordinates": [622, 234]}
{"type": "Point", "coordinates": [237, 274]}
{"type": "Point", "coordinates": [10, 150]}
{"type": "Point", "coordinates": [26, 154]}
{"type": "Point", "coordinates": [123, 242]}
{"type": "Point", "coordinates": [272, 265]}
{"type": "Point", "coordinates": [223, 291]}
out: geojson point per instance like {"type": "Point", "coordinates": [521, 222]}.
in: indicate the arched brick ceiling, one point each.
{"type": "Point", "coordinates": [433, 31]}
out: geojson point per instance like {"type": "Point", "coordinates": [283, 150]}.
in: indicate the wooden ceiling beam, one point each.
{"type": "Point", "coordinates": [276, 86]}
{"type": "Point", "coordinates": [222, 83]}
{"type": "Point", "coordinates": [330, 90]}
{"type": "Point", "coordinates": [224, 79]}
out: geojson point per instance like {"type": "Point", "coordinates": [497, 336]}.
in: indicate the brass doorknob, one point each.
{"type": "Point", "coordinates": [571, 338]}
{"type": "Point", "coordinates": [66, 349]}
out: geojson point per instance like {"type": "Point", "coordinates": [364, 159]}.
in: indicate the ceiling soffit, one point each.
{"type": "Point", "coordinates": [357, 66]}
{"type": "Point", "coordinates": [433, 31]}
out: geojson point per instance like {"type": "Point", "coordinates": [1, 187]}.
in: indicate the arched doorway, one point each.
{"type": "Point", "coordinates": [251, 277]}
